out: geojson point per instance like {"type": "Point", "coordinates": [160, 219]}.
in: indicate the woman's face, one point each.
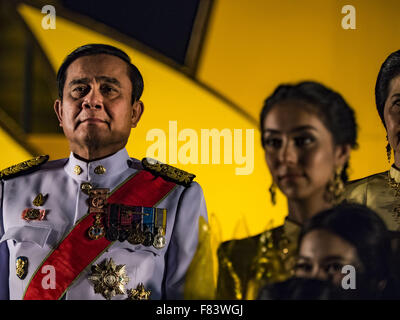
{"type": "Point", "coordinates": [322, 255]}
{"type": "Point", "coordinates": [391, 114]}
{"type": "Point", "coordinates": [300, 150]}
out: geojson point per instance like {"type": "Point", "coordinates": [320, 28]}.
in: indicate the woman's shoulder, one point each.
{"type": "Point", "coordinates": [236, 247]}
{"type": "Point", "coordinates": [357, 189]}
{"type": "Point", "coordinates": [247, 247]}
{"type": "Point", "coordinates": [377, 177]}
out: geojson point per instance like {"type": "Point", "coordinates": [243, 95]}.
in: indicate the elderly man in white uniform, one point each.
{"type": "Point", "coordinates": [98, 225]}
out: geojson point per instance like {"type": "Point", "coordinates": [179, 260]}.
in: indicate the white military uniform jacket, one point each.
{"type": "Point", "coordinates": [160, 270]}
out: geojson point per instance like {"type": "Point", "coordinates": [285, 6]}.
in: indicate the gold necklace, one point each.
{"type": "Point", "coordinates": [396, 187]}
{"type": "Point", "coordinates": [269, 264]}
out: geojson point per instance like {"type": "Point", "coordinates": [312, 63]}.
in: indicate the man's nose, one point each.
{"type": "Point", "coordinates": [288, 153]}
{"type": "Point", "coordinates": [93, 100]}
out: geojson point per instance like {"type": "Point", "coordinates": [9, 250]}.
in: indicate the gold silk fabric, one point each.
{"type": "Point", "coordinates": [199, 280]}
{"type": "Point", "coordinates": [376, 193]}
{"type": "Point", "coordinates": [246, 265]}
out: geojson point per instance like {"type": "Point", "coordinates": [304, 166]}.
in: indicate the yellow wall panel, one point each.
{"type": "Point", "coordinates": [252, 46]}
{"type": "Point", "coordinates": [54, 145]}
{"type": "Point", "coordinates": [11, 151]}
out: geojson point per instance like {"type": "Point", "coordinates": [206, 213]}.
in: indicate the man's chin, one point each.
{"type": "Point", "coordinates": [96, 139]}
{"type": "Point", "coordinates": [92, 132]}
{"type": "Point", "coordinates": [93, 139]}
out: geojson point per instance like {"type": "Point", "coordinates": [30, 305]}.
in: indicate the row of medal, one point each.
{"type": "Point", "coordinates": [135, 224]}
{"type": "Point", "coordinates": [108, 279]}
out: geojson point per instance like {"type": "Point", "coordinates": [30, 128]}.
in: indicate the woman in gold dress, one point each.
{"type": "Point", "coordinates": [308, 131]}
{"type": "Point", "coordinates": [381, 192]}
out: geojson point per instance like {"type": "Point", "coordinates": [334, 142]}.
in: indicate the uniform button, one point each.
{"type": "Point", "coordinates": [86, 187]}
{"type": "Point", "coordinates": [77, 170]}
{"type": "Point", "coordinates": [100, 170]}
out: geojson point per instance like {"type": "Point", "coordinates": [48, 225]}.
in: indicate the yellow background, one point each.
{"type": "Point", "coordinates": [250, 48]}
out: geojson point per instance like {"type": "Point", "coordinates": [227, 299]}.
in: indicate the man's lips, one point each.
{"type": "Point", "coordinates": [90, 121]}
{"type": "Point", "coordinates": [94, 120]}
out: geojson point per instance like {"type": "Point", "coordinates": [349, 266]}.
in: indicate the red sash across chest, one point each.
{"type": "Point", "coordinates": [76, 251]}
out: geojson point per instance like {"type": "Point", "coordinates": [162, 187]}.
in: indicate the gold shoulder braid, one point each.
{"type": "Point", "coordinates": [168, 172]}
{"type": "Point", "coordinates": [23, 167]}
{"type": "Point", "coordinates": [396, 187]}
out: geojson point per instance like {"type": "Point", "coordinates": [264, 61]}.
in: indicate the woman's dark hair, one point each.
{"type": "Point", "coordinates": [92, 49]}
{"type": "Point", "coordinates": [333, 110]}
{"type": "Point", "coordinates": [365, 230]}
{"type": "Point", "coordinates": [389, 70]}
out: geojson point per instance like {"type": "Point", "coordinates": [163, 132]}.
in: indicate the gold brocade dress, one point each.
{"type": "Point", "coordinates": [381, 193]}
{"type": "Point", "coordinates": [246, 265]}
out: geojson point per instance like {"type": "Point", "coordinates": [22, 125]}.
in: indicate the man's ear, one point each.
{"type": "Point", "coordinates": [58, 110]}
{"type": "Point", "coordinates": [137, 111]}
{"type": "Point", "coordinates": [342, 154]}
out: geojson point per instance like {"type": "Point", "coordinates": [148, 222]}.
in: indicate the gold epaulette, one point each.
{"type": "Point", "coordinates": [23, 167]}
{"type": "Point", "coordinates": [168, 172]}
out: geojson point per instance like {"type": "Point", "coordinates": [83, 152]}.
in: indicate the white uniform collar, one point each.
{"type": "Point", "coordinates": [99, 170]}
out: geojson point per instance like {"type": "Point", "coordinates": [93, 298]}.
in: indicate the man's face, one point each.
{"type": "Point", "coordinates": [96, 111]}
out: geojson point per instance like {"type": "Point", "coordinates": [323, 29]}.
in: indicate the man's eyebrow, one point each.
{"type": "Point", "coordinates": [79, 81]}
{"type": "Point", "coordinates": [98, 79]}
{"type": "Point", "coordinates": [109, 80]}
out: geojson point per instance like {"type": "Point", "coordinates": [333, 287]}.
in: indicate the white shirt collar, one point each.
{"type": "Point", "coordinates": [99, 170]}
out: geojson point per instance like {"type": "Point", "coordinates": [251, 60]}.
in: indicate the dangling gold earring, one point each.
{"type": "Point", "coordinates": [336, 186]}
{"type": "Point", "coordinates": [388, 151]}
{"type": "Point", "coordinates": [272, 192]}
